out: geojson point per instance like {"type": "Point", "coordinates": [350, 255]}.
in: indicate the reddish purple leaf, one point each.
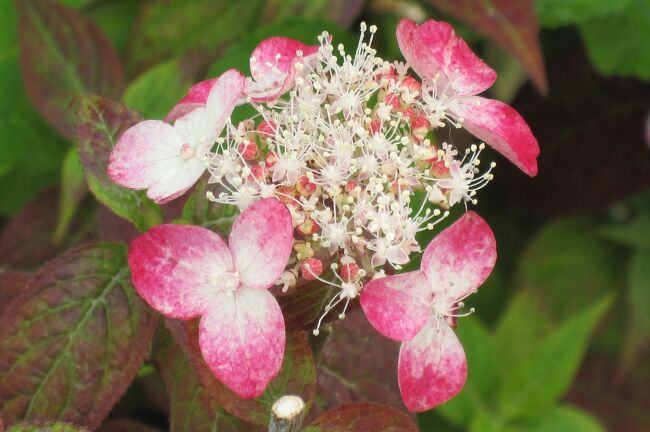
{"type": "Point", "coordinates": [358, 364]}
{"type": "Point", "coordinates": [125, 425]}
{"type": "Point", "coordinates": [511, 24]}
{"type": "Point", "coordinates": [191, 408]}
{"type": "Point", "coordinates": [73, 341]}
{"type": "Point", "coordinates": [64, 55]}
{"type": "Point", "coordinates": [45, 426]}
{"type": "Point", "coordinates": [297, 375]}
{"type": "Point", "coordinates": [12, 284]}
{"type": "Point", "coordinates": [362, 417]}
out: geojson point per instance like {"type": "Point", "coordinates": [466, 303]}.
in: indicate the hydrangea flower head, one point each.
{"type": "Point", "coordinates": [186, 272]}
{"type": "Point", "coordinates": [420, 308]}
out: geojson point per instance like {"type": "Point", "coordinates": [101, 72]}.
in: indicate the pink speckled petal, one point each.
{"type": "Point", "coordinates": [263, 56]}
{"type": "Point", "coordinates": [196, 97]}
{"type": "Point", "coordinates": [502, 128]}
{"type": "Point", "coordinates": [173, 268]}
{"type": "Point", "coordinates": [433, 47]}
{"type": "Point", "coordinates": [432, 367]}
{"type": "Point", "coordinates": [460, 258]}
{"type": "Point", "coordinates": [242, 339]}
{"type": "Point", "coordinates": [398, 306]}
{"type": "Point", "coordinates": [260, 242]}
{"type": "Point", "coordinates": [224, 96]}
{"type": "Point", "coordinates": [147, 156]}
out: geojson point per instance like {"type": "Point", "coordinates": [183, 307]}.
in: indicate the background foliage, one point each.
{"type": "Point", "coordinates": [560, 340]}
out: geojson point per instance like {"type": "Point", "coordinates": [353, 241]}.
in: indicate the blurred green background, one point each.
{"type": "Point", "coordinates": [561, 334]}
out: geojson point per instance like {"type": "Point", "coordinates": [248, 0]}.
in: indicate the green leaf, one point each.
{"type": "Point", "coordinates": [198, 210]}
{"type": "Point", "coordinates": [635, 233]}
{"type": "Point", "coordinates": [362, 417]}
{"type": "Point", "coordinates": [567, 419]}
{"type": "Point", "coordinates": [482, 374]}
{"type": "Point", "coordinates": [45, 427]}
{"type": "Point", "coordinates": [565, 264]}
{"type": "Point", "coordinates": [190, 407]}
{"type": "Point", "coordinates": [517, 334]}
{"type": "Point", "coordinates": [554, 13]}
{"type": "Point", "coordinates": [486, 422]}
{"type": "Point", "coordinates": [171, 29]}
{"type": "Point", "coordinates": [115, 18]}
{"type": "Point", "coordinates": [637, 335]}
{"type": "Point", "coordinates": [100, 122]}
{"type": "Point", "coordinates": [64, 56]}
{"type": "Point", "coordinates": [534, 387]}
{"type": "Point", "coordinates": [156, 91]}
{"type": "Point", "coordinates": [72, 343]}
{"type": "Point", "coordinates": [73, 189]}
{"type": "Point", "coordinates": [297, 375]}
{"type": "Point", "coordinates": [615, 42]}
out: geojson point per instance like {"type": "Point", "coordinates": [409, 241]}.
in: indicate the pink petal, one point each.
{"type": "Point", "coordinates": [196, 97]}
{"type": "Point", "coordinates": [502, 128]}
{"type": "Point", "coordinates": [460, 258]}
{"type": "Point", "coordinates": [433, 47]}
{"type": "Point", "coordinates": [432, 367]}
{"type": "Point", "coordinates": [174, 268]}
{"type": "Point", "coordinates": [224, 96]}
{"type": "Point", "coordinates": [398, 306]}
{"type": "Point", "coordinates": [261, 241]}
{"type": "Point", "coordinates": [266, 51]}
{"type": "Point", "coordinates": [242, 339]}
{"type": "Point", "coordinates": [148, 156]}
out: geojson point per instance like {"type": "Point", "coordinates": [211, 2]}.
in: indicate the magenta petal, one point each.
{"type": "Point", "coordinates": [196, 97]}
{"type": "Point", "coordinates": [398, 306]}
{"type": "Point", "coordinates": [433, 47]}
{"type": "Point", "coordinates": [460, 258]}
{"type": "Point", "coordinates": [263, 58]}
{"type": "Point", "coordinates": [432, 367]}
{"type": "Point", "coordinates": [224, 96]}
{"type": "Point", "coordinates": [174, 268]}
{"type": "Point", "coordinates": [242, 339]}
{"type": "Point", "coordinates": [260, 242]}
{"type": "Point", "coordinates": [502, 128]}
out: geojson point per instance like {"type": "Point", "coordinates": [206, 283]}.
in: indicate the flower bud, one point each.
{"type": "Point", "coordinates": [308, 227]}
{"type": "Point", "coordinates": [349, 269]}
{"type": "Point", "coordinates": [304, 186]}
{"type": "Point", "coordinates": [310, 268]}
{"type": "Point", "coordinates": [411, 84]}
{"type": "Point", "coordinates": [266, 130]}
{"type": "Point", "coordinates": [419, 127]}
{"type": "Point", "coordinates": [248, 150]}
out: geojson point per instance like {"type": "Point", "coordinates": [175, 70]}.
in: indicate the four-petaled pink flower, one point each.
{"type": "Point", "coordinates": [419, 308]}
{"type": "Point", "coordinates": [167, 160]}
{"type": "Point", "coordinates": [186, 272]}
{"type": "Point", "coordinates": [443, 59]}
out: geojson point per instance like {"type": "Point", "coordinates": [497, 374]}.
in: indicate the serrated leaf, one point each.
{"type": "Point", "coordinates": [198, 210]}
{"type": "Point", "coordinates": [64, 56]}
{"type": "Point", "coordinates": [200, 28]}
{"type": "Point", "coordinates": [637, 334]}
{"type": "Point", "coordinates": [511, 24]}
{"type": "Point", "coordinates": [613, 41]}
{"type": "Point", "coordinates": [534, 387]}
{"type": "Point", "coordinates": [100, 122]}
{"type": "Point", "coordinates": [73, 189]}
{"type": "Point", "coordinates": [519, 331]}
{"type": "Point", "coordinates": [155, 91]}
{"type": "Point", "coordinates": [635, 233]}
{"type": "Point", "coordinates": [554, 13]}
{"type": "Point", "coordinates": [362, 417]}
{"type": "Point", "coordinates": [191, 409]}
{"type": "Point", "coordinates": [483, 374]}
{"type": "Point", "coordinates": [72, 343]}
{"type": "Point", "coordinates": [297, 375]}
{"type": "Point", "coordinates": [567, 419]}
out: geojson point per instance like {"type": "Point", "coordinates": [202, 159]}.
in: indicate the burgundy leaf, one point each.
{"type": "Point", "coordinates": [362, 417]}
{"type": "Point", "coordinates": [64, 55]}
{"type": "Point", "coordinates": [73, 341]}
{"type": "Point", "coordinates": [12, 284]}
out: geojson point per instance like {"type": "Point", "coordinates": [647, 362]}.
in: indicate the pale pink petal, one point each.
{"type": "Point", "coordinates": [263, 58]}
{"type": "Point", "coordinates": [224, 96]}
{"type": "Point", "coordinates": [242, 339]}
{"type": "Point", "coordinates": [460, 258]}
{"type": "Point", "coordinates": [398, 306]}
{"type": "Point", "coordinates": [502, 128]}
{"type": "Point", "coordinates": [260, 241]}
{"type": "Point", "coordinates": [196, 97]}
{"type": "Point", "coordinates": [148, 155]}
{"type": "Point", "coordinates": [174, 268]}
{"type": "Point", "coordinates": [432, 367]}
{"type": "Point", "coordinates": [433, 47]}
